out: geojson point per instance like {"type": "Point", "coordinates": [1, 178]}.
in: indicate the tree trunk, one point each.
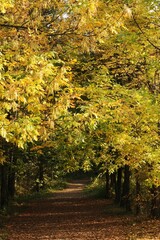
{"type": "Point", "coordinates": [138, 188]}
{"type": "Point", "coordinates": [40, 179]}
{"type": "Point", "coordinates": [0, 185]}
{"type": "Point", "coordinates": [4, 186]}
{"type": "Point", "coordinates": [125, 199]}
{"type": "Point", "coordinates": [107, 184]}
{"type": "Point", "coordinates": [11, 173]}
{"type": "Point", "coordinates": [113, 180]}
{"type": "Point", "coordinates": [41, 174]}
{"type": "Point", "coordinates": [11, 182]}
{"type": "Point", "coordinates": [155, 202]}
{"type": "Point", "coordinates": [118, 186]}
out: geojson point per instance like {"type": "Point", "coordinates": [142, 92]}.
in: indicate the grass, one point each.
{"type": "Point", "coordinates": [58, 185]}
{"type": "Point", "coordinates": [43, 193]}
{"type": "Point", "coordinates": [96, 188]}
{"type": "Point", "coordinates": [113, 209]}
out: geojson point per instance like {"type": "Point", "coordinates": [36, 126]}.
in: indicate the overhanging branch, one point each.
{"type": "Point", "coordinates": [146, 37]}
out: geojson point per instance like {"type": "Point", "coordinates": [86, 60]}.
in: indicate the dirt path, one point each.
{"type": "Point", "coordinates": [69, 215]}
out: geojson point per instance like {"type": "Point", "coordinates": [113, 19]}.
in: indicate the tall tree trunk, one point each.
{"type": "Point", "coordinates": [41, 174]}
{"type": "Point", "coordinates": [11, 182]}
{"type": "Point", "coordinates": [107, 184]}
{"type": "Point", "coordinates": [11, 173]}
{"type": "Point", "coordinates": [125, 199]}
{"type": "Point", "coordinates": [113, 180]}
{"type": "Point", "coordinates": [0, 185]}
{"type": "Point", "coordinates": [138, 188]}
{"type": "Point", "coordinates": [155, 201]}
{"type": "Point", "coordinates": [4, 186]}
{"type": "Point", "coordinates": [40, 179]}
{"type": "Point", "coordinates": [118, 186]}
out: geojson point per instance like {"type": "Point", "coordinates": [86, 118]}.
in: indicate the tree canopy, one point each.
{"type": "Point", "coordinates": [79, 85]}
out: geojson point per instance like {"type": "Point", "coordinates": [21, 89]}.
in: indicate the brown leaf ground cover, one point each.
{"type": "Point", "coordinates": [70, 215]}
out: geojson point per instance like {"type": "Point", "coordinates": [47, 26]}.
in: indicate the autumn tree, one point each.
{"type": "Point", "coordinates": [81, 78]}
{"type": "Point", "coordinates": [39, 43]}
{"type": "Point", "coordinates": [118, 105]}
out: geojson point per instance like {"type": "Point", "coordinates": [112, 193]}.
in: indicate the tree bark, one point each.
{"type": "Point", "coordinates": [155, 202]}
{"type": "Point", "coordinates": [107, 185]}
{"type": "Point", "coordinates": [4, 186]}
{"type": "Point", "coordinates": [11, 182]}
{"type": "Point", "coordinates": [125, 199]}
{"type": "Point", "coordinates": [118, 186]}
{"type": "Point", "coordinates": [40, 179]}
{"type": "Point", "coordinates": [11, 172]}
{"type": "Point", "coordinates": [138, 188]}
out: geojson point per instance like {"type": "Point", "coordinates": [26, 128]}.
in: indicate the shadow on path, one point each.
{"type": "Point", "coordinates": [68, 215]}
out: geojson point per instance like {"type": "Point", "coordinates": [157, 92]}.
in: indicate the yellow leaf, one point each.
{"type": "Point", "coordinates": [3, 132]}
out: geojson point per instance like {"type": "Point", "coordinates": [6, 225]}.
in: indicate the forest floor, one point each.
{"type": "Point", "coordinates": [69, 214]}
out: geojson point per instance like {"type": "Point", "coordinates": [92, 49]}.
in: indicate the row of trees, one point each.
{"type": "Point", "coordinates": [79, 88]}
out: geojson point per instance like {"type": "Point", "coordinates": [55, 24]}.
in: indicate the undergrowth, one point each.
{"type": "Point", "coordinates": [96, 188]}
{"type": "Point", "coordinates": [48, 191]}
{"type": "Point", "coordinates": [20, 201]}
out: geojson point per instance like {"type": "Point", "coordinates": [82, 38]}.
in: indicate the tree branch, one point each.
{"type": "Point", "coordinates": [13, 26]}
{"type": "Point", "coordinates": [148, 40]}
